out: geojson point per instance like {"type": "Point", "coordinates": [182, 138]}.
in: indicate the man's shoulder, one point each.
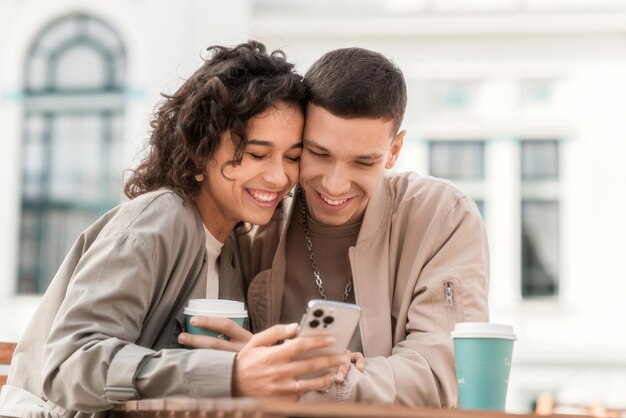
{"type": "Point", "coordinates": [409, 186]}
{"type": "Point", "coordinates": [413, 196]}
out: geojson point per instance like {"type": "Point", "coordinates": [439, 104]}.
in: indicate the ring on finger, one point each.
{"type": "Point", "coordinates": [220, 336]}
{"type": "Point", "coordinates": [297, 387]}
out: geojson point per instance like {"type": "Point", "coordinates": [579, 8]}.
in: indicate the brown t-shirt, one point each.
{"type": "Point", "coordinates": [330, 246]}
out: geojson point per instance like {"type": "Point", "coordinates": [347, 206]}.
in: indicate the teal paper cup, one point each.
{"type": "Point", "coordinates": [223, 308]}
{"type": "Point", "coordinates": [482, 353]}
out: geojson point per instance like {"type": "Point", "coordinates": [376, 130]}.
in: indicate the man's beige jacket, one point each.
{"type": "Point", "coordinates": [106, 328]}
{"type": "Point", "coordinates": [420, 265]}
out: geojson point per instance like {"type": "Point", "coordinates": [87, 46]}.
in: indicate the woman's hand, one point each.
{"type": "Point", "coordinates": [355, 358]}
{"type": "Point", "coordinates": [264, 369]}
{"type": "Point", "coordinates": [238, 335]}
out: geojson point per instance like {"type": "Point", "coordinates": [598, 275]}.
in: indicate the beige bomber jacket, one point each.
{"type": "Point", "coordinates": [106, 329]}
{"type": "Point", "coordinates": [420, 265]}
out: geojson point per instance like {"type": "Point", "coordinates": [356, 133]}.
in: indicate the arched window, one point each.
{"type": "Point", "coordinates": [72, 141]}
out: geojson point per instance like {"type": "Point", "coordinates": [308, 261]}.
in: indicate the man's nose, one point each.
{"type": "Point", "coordinates": [336, 181]}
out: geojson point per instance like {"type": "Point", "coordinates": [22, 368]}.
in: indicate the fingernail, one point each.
{"type": "Point", "coordinates": [193, 321]}
{"type": "Point", "coordinates": [330, 339]}
{"type": "Point", "coordinates": [339, 376]}
{"type": "Point", "coordinates": [182, 338]}
{"type": "Point", "coordinates": [291, 327]}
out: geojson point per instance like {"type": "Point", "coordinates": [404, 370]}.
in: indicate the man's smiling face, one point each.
{"type": "Point", "coordinates": [342, 163]}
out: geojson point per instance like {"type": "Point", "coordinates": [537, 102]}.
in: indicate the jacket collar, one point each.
{"type": "Point", "coordinates": [370, 271]}
{"type": "Point", "coordinates": [377, 215]}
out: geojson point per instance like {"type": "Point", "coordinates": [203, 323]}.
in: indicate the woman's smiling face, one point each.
{"type": "Point", "coordinates": [269, 169]}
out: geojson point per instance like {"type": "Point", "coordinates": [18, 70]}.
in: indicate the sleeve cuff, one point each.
{"type": "Point", "coordinates": [120, 380]}
{"type": "Point", "coordinates": [197, 373]}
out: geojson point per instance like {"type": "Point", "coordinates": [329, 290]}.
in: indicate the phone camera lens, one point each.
{"type": "Point", "coordinates": [328, 320]}
{"type": "Point", "coordinates": [314, 323]}
{"type": "Point", "coordinates": [318, 312]}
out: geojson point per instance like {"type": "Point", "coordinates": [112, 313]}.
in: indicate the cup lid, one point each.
{"type": "Point", "coordinates": [218, 305]}
{"type": "Point", "coordinates": [483, 330]}
{"type": "Point", "coordinates": [222, 314]}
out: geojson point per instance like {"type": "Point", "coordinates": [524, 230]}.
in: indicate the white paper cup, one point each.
{"type": "Point", "coordinates": [223, 308]}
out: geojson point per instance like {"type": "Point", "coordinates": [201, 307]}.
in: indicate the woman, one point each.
{"type": "Point", "coordinates": [224, 149]}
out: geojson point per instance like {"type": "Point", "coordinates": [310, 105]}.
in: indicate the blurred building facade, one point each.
{"type": "Point", "coordinates": [517, 101]}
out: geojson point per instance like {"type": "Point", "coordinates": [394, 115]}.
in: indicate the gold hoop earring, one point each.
{"type": "Point", "coordinates": [199, 177]}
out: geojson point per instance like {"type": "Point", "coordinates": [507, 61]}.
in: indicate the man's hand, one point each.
{"type": "Point", "coordinates": [355, 358]}
{"type": "Point", "coordinates": [238, 335]}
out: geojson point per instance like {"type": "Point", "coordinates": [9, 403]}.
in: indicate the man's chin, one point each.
{"type": "Point", "coordinates": [330, 219]}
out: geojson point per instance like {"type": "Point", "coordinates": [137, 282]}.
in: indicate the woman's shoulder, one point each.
{"type": "Point", "coordinates": [158, 200]}
{"type": "Point", "coordinates": [158, 213]}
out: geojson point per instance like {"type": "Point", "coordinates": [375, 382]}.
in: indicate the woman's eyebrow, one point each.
{"type": "Point", "coordinates": [260, 142]}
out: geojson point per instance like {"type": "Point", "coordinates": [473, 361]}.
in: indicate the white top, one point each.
{"type": "Point", "coordinates": [213, 248]}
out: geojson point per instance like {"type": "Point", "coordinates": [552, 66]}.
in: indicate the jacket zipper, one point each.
{"type": "Point", "coordinates": [449, 302]}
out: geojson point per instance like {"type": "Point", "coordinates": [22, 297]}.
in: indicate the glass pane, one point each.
{"type": "Point", "coordinates": [540, 248]}
{"type": "Point", "coordinates": [458, 160]}
{"type": "Point", "coordinates": [540, 160]}
{"type": "Point", "coordinates": [75, 160]}
{"type": "Point", "coordinates": [81, 66]}
{"type": "Point", "coordinates": [78, 182]}
{"type": "Point", "coordinates": [116, 164]}
{"type": "Point", "coordinates": [109, 40]}
{"type": "Point", "coordinates": [33, 155]}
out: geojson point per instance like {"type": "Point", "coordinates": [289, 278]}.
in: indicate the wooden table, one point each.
{"type": "Point", "coordinates": [255, 408]}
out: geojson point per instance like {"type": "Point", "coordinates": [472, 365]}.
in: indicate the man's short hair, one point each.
{"type": "Point", "coordinates": [358, 83]}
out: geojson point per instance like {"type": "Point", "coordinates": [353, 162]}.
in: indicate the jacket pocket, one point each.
{"type": "Point", "coordinates": [447, 301]}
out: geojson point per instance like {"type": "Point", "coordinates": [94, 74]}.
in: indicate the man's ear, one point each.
{"type": "Point", "coordinates": [394, 150]}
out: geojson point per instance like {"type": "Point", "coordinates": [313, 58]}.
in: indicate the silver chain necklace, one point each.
{"type": "Point", "coordinates": [309, 246]}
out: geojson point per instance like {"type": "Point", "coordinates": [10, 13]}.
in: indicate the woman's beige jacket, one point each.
{"type": "Point", "coordinates": [106, 328]}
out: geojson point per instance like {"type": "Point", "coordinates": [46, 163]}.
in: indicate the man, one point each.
{"type": "Point", "coordinates": [410, 250]}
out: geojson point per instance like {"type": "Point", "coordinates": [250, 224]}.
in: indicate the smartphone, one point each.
{"type": "Point", "coordinates": [324, 317]}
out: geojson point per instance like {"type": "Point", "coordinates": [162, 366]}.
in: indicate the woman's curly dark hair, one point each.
{"type": "Point", "coordinates": [231, 87]}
